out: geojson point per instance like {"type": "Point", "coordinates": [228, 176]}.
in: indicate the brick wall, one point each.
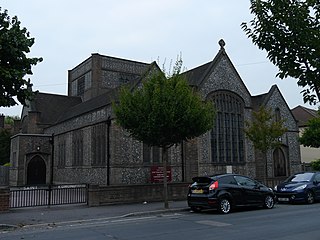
{"type": "Point", "coordinates": [104, 195]}
{"type": "Point", "coordinates": [4, 199]}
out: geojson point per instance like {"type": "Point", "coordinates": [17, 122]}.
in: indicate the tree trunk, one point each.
{"type": "Point", "coordinates": [165, 182]}
{"type": "Point", "coordinates": [261, 166]}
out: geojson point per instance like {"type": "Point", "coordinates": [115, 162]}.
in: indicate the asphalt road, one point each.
{"type": "Point", "coordinates": [284, 222]}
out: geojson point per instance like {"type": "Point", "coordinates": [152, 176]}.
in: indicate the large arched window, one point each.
{"type": "Point", "coordinates": [227, 137]}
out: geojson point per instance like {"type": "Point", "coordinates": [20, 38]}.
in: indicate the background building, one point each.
{"type": "Point", "coordinates": [303, 115]}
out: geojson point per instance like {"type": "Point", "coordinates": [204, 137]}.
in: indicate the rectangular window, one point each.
{"type": "Point", "coordinates": [61, 151]}
{"type": "Point", "coordinates": [77, 148]}
{"type": "Point", "coordinates": [81, 85]}
{"type": "Point", "coordinates": [98, 144]}
{"type": "Point", "coordinates": [151, 154]}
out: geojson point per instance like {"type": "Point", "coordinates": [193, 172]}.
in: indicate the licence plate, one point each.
{"type": "Point", "coordinates": [283, 199]}
{"type": "Point", "coordinates": [198, 191]}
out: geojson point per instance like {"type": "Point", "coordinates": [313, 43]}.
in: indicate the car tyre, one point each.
{"type": "Point", "coordinates": [268, 202]}
{"type": "Point", "coordinates": [224, 205]}
{"type": "Point", "coordinates": [310, 197]}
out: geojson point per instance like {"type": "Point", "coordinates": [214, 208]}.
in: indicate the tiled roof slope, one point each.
{"type": "Point", "coordinates": [303, 114]}
{"type": "Point", "coordinates": [52, 106]}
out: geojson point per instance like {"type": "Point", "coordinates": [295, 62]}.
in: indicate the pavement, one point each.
{"type": "Point", "coordinates": [68, 214]}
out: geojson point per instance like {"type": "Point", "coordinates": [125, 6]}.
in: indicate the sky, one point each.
{"type": "Point", "coordinates": [68, 32]}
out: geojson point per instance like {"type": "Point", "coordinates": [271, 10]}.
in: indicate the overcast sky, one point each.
{"type": "Point", "coordinates": [67, 32]}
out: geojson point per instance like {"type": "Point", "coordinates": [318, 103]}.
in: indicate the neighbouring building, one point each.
{"type": "Point", "coordinates": [303, 115]}
{"type": "Point", "coordinates": [78, 134]}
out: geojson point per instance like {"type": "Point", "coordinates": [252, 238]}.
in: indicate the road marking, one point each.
{"type": "Point", "coordinates": [214, 223]}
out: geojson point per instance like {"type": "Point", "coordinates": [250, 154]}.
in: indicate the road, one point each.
{"type": "Point", "coordinates": [284, 222]}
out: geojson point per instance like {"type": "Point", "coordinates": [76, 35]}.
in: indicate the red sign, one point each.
{"type": "Point", "coordinates": [157, 174]}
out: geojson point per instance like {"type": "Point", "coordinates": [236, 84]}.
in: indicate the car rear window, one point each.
{"type": "Point", "coordinates": [202, 180]}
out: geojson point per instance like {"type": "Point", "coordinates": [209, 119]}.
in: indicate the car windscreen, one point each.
{"type": "Point", "coordinates": [300, 177]}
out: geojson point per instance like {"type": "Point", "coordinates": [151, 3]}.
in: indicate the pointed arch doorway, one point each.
{"type": "Point", "coordinates": [36, 171]}
{"type": "Point", "coordinates": [279, 163]}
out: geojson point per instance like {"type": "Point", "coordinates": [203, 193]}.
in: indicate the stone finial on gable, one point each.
{"type": "Point", "coordinates": [222, 43]}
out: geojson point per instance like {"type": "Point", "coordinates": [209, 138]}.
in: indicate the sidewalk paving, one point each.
{"type": "Point", "coordinates": [22, 217]}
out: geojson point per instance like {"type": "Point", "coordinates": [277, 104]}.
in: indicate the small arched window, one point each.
{"type": "Point", "coordinates": [277, 114]}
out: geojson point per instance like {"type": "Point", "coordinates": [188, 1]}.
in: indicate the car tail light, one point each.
{"type": "Point", "coordinates": [214, 186]}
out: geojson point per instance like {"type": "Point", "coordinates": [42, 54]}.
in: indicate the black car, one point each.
{"type": "Point", "coordinates": [226, 191]}
{"type": "Point", "coordinates": [300, 187]}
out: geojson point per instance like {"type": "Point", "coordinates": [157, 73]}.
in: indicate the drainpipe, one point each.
{"type": "Point", "coordinates": [108, 150]}
{"type": "Point", "coordinates": [51, 141]}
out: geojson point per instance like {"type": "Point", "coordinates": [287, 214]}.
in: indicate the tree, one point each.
{"type": "Point", "coordinates": [5, 139]}
{"type": "Point", "coordinates": [311, 135]}
{"type": "Point", "coordinates": [289, 31]}
{"type": "Point", "coordinates": [315, 165]}
{"type": "Point", "coordinates": [264, 131]}
{"type": "Point", "coordinates": [163, 112]}
{"type": "Point", "coordinates": [15, 43]}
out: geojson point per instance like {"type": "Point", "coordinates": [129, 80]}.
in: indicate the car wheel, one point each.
{"type": "Point", "coordinates": [224, 206]}
{"type": "Point", "coordinates": [268, 202]}
{"type": "Point", "coordinates": [310, 197]}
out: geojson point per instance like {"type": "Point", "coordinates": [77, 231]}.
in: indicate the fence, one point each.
{"type": "Point", "coordinates": [4, 176]}
{"type": "Point", "coordinates": [32, 196]}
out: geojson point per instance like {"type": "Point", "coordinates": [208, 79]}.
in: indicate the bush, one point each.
{"type": "Point", "coordinates": [315, 165]}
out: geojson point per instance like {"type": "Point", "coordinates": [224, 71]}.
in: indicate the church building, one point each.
{"type": "Point", "coordinates": [74, 138]}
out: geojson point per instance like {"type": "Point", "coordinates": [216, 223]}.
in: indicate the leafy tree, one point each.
{"type": "Point", "coordinates": [5, 138]}
{"type": "Point", "coordinates": [264, 131]}
{"type": "Point", "coordinates": [289, 31]}
{"type": "Point", "coordinates": [10, 119]}
{"type": "Point", "coordinates": [315, 165]}
{"type": "Point", "coordinates": [15, 43]}
{"type": "Point", "coordinates": [311, 135]}
{"type": "Point", "coordinates": [164, 112]}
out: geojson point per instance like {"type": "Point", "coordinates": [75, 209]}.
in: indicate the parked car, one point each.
{"type": "Point", "coordinates": [227, 191]}
{"type": "Point", "coordinates": [300, 187]}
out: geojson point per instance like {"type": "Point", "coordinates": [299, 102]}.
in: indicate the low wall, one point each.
{"type": "Point", "coordinates": [4, 199]}
{"type": "Point", "coordinates": [103, 195]}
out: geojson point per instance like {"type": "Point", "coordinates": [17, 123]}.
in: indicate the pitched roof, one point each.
{"type": "Point", "coordinates": [51, 106]}
{"type": "Point", "coordinates": [303, 114]}
{"type": "Point", "coordinates": [197, 76]}
{"type": "Point", "coordinates": [100, 101]}
{"type": "Point", "coordinates": [262, 99]}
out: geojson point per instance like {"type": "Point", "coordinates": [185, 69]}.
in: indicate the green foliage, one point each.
{"type": "Point", "coordinates": [315, 165]}
{"type": "Point", "coordinates": [15, 44]}
{"type": "Point", "coordinates": [311, 136]}
{"type": "Point", "coordinates": [289, 31]}
{"type": "Point", "coordinates": [164, 111]}
{"type": "Point", "coordinates": [264, 131]}
{"type": "Point", "coordinates": [5, 138]}
{"type": "Point", "coordinates": [10, 119]}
